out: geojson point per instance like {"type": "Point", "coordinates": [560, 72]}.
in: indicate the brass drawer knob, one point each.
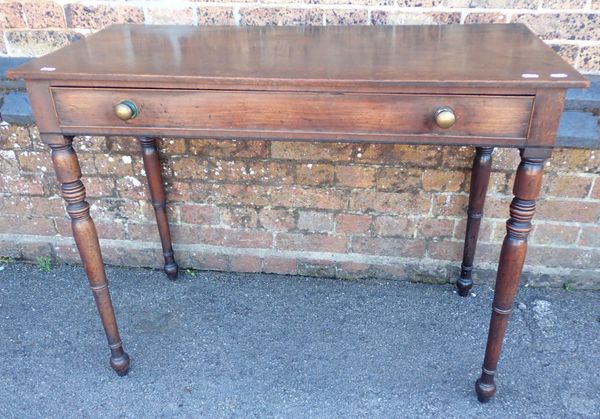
{"type": "Point", "coordinates": [444, 117]}
{"type": "Point", "coordinates": [126, 110]}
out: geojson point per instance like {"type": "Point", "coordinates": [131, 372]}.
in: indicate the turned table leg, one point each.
{"type": "Point", "coordinates": [159, 202]}
{"type": "Point", "coordinates": [68, 174]}
{"type": "Point", "coordinates": [480, 177]}
{"type": "Point", "coordinates": [526, 189]}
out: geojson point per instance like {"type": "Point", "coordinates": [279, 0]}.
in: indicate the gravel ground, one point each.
{"type": "Point", "coordinates": [229, 345]}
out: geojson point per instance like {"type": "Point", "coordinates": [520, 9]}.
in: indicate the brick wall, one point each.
{"type": "Point", "coordinates": [336, 210]}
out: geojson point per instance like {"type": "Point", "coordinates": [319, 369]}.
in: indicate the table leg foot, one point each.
{"type": "Point", "coordinates": [485, 388]}
{"type": "Point", "coordinates": [480, 177]}
{"type": "Point", "coordinates": [171, 269]}
{"type": "Point", "coordinates": [120, 364]}
{"type": "Point", "coordinates": [464, 285]}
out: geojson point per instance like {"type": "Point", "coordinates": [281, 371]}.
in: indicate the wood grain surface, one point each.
{"type": "Point", "coordinates": [491, 55]}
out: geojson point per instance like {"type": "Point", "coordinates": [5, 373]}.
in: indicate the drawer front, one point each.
{"type": "Point", "coordinates": [293, 115]}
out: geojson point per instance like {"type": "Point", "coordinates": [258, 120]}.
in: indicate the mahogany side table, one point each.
{"type": "Point", "coordinates": [479, 85]}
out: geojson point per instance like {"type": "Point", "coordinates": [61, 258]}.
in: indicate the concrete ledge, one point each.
{"type": "Point", "coordinates": [584, 99]}
{"type": "Point", "coordinates": [16, 109]}
{"type": "Point", "coordinates": [578, 129]}
{"type": "Point", "coordinates": [7, 63]}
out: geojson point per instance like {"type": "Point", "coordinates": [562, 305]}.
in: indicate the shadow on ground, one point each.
{"type": "Point", "coordinates": [230, 345]}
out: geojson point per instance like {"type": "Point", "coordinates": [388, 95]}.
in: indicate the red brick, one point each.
{"type": "Point", "coordinates": [352, 223]}
{"type": "Point", "coordinates": [401, 247]}
{"type": "Point", "coordinates": [271, 172]}
{"type": "Point", "coordinates": [590, 236]}
{"type": "Point", "coordinates": [554, 234]}
{"type": "Point", "coordinates": [572, 26]}
{"type": "Point", "coordinates": [387, 202]}
{"type": "Point", "coordinates": [199, 214]}
{"type": "Point", "coordinates": [315, 221]}
{"type": "Point", "coordinates": [44, 14]}
{"type": "Point", "coordinates": [129, 145]}
{"type": "Point", "coordinates": [485, 18]}
{"type": "Point", "coordinates": [170, 16]}
{"type": "Point", "coordinates": [114, 229]}
{"type": "Point", "coordinates": [346, 16]}
{"type": "Point", "coordinates": [437, 228]}
{"type": "Point", "coordinates": [457, 157]}
{"type": "Point", "coordinates": [276, 219]}
{"type": "Point", "coordinates": [298, 197]}
{"type": "Point", "coordinates": [36, 226]}
{"type": "Point", "coordinates": [147, 232]}
{"type": "Point", "coordinates": [496, 207]}
{"type": "Point", "coordinates": [9, 164]}
{"type": "Point", "coordinates": [279, 265]}
{"type": "Point", "coordinates": [505, 159]}
{"type": "Point", "coordinates": [217, 236]}
{"type": "Point", "coordinates": [245, 263]}
{"type": "Point", "coordinates": [354, 176]}
{"type": "Point", "coordinates": [399, 179]}
{"type": "Point", "coordinates": [239, 217]}
{"type": "Point", "coordinates": [172, 146]}
{"type": "Point", "coordinates": [15, 137]}
{"type": "Point", "coordinates": [99, 186]}
{"type": "Point", "coordinates": [191, 167]}
{"type": "Point", "coordinates": [262, 16]}
{"type": "Point", "coordinates": [569, 186]}
{"type": "Point", "coordinates": [31, 251]}
{"type": "Point", "coordinates": [226, 194]}
{"type": "Point", "coordinates": [394, 226]}
{"type": "Point", "coordinates": [453, 251]}
{"type": "Point", "coordinates": [311, 242]}
{"type": "Point", "coordinates": [11, 15]}
{"type": "Point", "coordinates": [22, 185]}
{"type": "Point", "coordinates": [100, 15]}
{"type": "Point", "coordinates": [486, 228]}
{"type": "Point", "coordinates": [445, 250]}
{"type": "Point", "coordinates": [215, 16]}
{"type": "Point", "coordinates": [563, 257]}
{"type": "Point", "coordinates": [131, 187]}
{"type": "Point", "coordinates": [353, 270]}
{"type": "Point", "coordinates": [393, 17]}
{"type": "Point", "coordinates": [113, 164]}
{"type": "Point", "coordinates": [442, 180]}
{"type": "Point", "coordinates": [204, 260]}
{"type": "Point", "coordinates": [314, 174]}
{"type": "Point", "coordinates": [420, 156]}
{"type": "Point", "coordinates": [318, 268]}
{"type": "Point", "coordinates": [40, 206]}
{"type": "Point", "coordinates": [178, 191]}
{"type": "Point", "coordinates": [229, 148]}
{"type": "Point", "coordinates": [574, 160]}
{"type": "Point", "coordinates": [311, 151]}
{"type": "Point", "coordinates": [499, 184]}
{"type": "Point", "coordinates": [579, 211]}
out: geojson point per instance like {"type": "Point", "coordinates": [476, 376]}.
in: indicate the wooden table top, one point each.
{"type": "Point", "coordinates": [488, 55]}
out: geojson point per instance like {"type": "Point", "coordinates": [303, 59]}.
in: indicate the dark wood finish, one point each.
{"type": "Point", "coordinates": [68, 173]}
{"type": "Point", "coordinates": [297, 57]}
{"type": "Point", "coordinates": [382, 117]}
{"type": "Point", "coordinates": [480, 177]}
{"type": "Point", "coordinates": [376, 84]}
{"type": "Point", "coordinates": [528, 183]}
{"type": "Point", "coordinates": [159, 201]}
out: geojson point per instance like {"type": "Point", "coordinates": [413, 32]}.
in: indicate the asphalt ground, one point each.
{"type": "Point", "coordinates": [225, 345]}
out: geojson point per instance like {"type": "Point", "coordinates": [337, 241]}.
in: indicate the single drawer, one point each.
{"type": "Point", "coordinates": [380, 117]}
